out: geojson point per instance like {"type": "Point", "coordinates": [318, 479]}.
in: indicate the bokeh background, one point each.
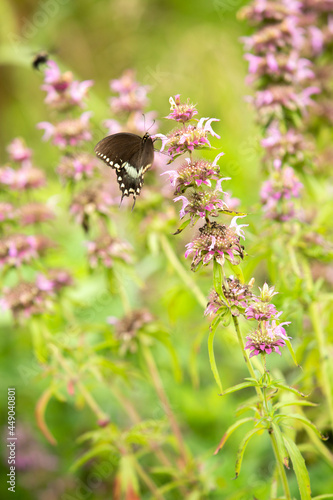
{"type": "Point", "coordinates": [182, 47]}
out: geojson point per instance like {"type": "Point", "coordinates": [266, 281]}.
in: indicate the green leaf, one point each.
{"type": "Point", "coordinates": [182, 226]}
{"type": "Point", "coordinates": [237, 271]}
{"type": "Point", "coordinates": [291, 351]}
{"type": "Point", "coordinates": [294, 403]}
{"type": "Point", "coordinates": [212, 357]}
{"type": "Point", "coordinates": [40, 414]}
{"type": "Point", "coordinates": [164, 338]}
{"type": "Point", "coordinates": [231, 429]}
{"type": "Point", "coordinates": [300, 469]}
{"type": "Point", "coordinates": [238, 387]}
{"type": "Point", "coordinates": [242, 448]}
{"type": "Point", "coordinates": [280, 444]}
{"type": "Point", "coordinates": [218, 279]}
{"type": "Point", "coordinates": [303, 420]}
{"type": "Point", "coordinates": [288, 388]}
{"type": "Point", "coordinates": [95, 451]}
{"type": "Point", "coordinates": [38, 340]}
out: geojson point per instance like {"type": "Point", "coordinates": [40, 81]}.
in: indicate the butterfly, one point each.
{"type": "Point", "coordinates": [131, 156]}
{"type": "Point", "coordinates": [40, 58]}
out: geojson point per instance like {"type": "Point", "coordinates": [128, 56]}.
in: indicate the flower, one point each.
{"type": "Point", "coordinates": [77, 167]}
{"type": "Point", "coordinates": [19, 152]}
{"type": "Point", "coordinates": [25, 300]}
{"type": "Point", "coordinates": [215, 241]}
{"type": "Point", "coordinates": [62, 91]}
{"type": "Point", "coordinates": [54, 280]}
{"type": "Point", "coordinates": [181, 112]}
{"type": "Point", "coordinates": [261, 311]}
{"type": "Point", "coordinates": [193, 174]}
{"type": "Point", "coordinates": [126, 329]}
{"type": "Point", "coordinates": [22, 179]}
{"type": "Point", "coordinates": [95, 198]}
{"type": "Point", "coordinates": [69, 132]}
{"type": "Point", "coordinates": [237, 294]}
{"type": "Point", "coordinates": [268, 338]}
{"type": "Point", "coordinates": [106, 249]}
{"type": "Point", "coordinates": [34, 213]}
{"type": "Point", "coordinates": [132, 95]}
{"type": "Point", "coordinates": [17, 249]}
{"type": "Point", "coordinates": [200, 202]}
{"type": "Point", "coordinates": [7, 211]}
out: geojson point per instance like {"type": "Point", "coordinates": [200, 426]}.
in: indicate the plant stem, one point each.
{"type": "Point", "coordinates": [245, 356]}
{"type": "Point", "coordinates": [315, 316]}
{"type": "Point", "coordinates": [280, 465]}
{"type": "Point", "coordinates": [157, 381]}
{"type": "Point", "coordinates": [182, 273]}
{"type": "Point", "coordinates": [146, 479]}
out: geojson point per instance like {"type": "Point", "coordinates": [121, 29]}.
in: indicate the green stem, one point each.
{"type": "Point", "coordinates": [315, 316]}
{"type": "Point", "coordinates": [149, 483]}
{"type": "Point", "coordinates": [182, 273]}
{"type": "Point", "coordinates": [279, 461]}
{"type": "Point", "coordinates": [157, 381]}
{"type": "Point", "coordinates": [246, 357]}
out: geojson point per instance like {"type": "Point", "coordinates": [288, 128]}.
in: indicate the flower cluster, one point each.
{"type": "Point", "coordinates": [63, 92]}
{"type": "Point", "coordinates": [285, 82]}
{"type": "Point", "coordinates": [132, 96]}
{"type": "Point", "coordinates": [106, 249]}
{"type": "Point", "coordinates": [218, 242]}
{"type": "Point", "coordinates": [127, 328]}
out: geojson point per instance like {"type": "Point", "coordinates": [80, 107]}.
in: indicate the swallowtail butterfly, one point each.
{"type": "Point", "coordinates": [131, 156]}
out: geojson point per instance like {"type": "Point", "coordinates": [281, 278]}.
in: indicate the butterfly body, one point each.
{"type": "Point", "coordinates": [131, 156]}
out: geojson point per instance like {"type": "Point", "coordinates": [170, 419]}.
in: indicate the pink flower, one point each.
{"type": "Point", "coordinates": [19, 152]}
{"type": "Point", "coordinates": [181, 112]}
{"type": "Point", "coordinates": [106, 250]}
{"type": "Point", "coordinates": [268, 338]}
{"type": "Point", "coordinates": [69, 132]}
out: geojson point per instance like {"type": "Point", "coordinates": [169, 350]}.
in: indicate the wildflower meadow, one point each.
{"type": "Point", "coordinates": [166, 250]}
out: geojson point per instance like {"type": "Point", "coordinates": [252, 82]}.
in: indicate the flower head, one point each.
{"type": "Point", "coordinates": [69, 132]}
{"type": "Point", "coordinates": [106, 249]}
{"type": "Point", "coordinates": [77, 167]}
{"type": "Point", "coordinates": [26, 299]}
{"type": "Point", "coordinates": [237, 294]}
{"type": "Point", "coordinates": [34, 213]}
{"type": "Point", "coordinates": [181, 112]}
{"type": "Point", "coordinates": [126, 329]}
{"type": "Point", "coordinates": [215, 241]}
{"type": "Point", "coordinates": [268, 338]}
{"type": "Point", "coordinates": [19, 152]}
{"type": "Point", "coordinates": [92, 199]}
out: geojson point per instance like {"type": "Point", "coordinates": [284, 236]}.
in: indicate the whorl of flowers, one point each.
{"type": "Point", "coordinates": [106, 249]}
{"type": "Point", "coordinates": [285, 81]}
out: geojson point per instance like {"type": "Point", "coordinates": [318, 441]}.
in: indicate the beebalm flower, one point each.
{"type": "Point", "coordinates": [92, 199]}
{"type": "Point", "coordinates": [288, 67]}
{"type": "Point", "coordinates": [188, 138]}
{"type": "Point", "coordinates": [77, 167]}
{"type": "Point", "coordinates": [19, 152]}
{"type": "Point", "coordinates": [132, 95]}
{"type": "Point", "coordinates": [126, 329]}
{"type": "Point", "coordinates": [35, 213]}
{"type": "Point", "coordinates": [283, 185]}
{"type": "Point", "coordinates": [17, 249]}
{"type": "Point", "coordinates": [25, 300]}
{"type": "Point", "coordinates": [278, 146]}
{"type": "Point", "coordinates": [54, 280]}
{"type": "Point", "coordinates": [199, 203]}
{"type": "Point", "coordinates": [216, 241]}
{"type": "Point", "coordinates": [194, 174]}
{"type": "Point", "coordinates": [181, 112]}
{"type": "Point", "coordinates": [270, 10]}
{"type": "Point", "coordinates": [237, 294]}
{"type": "Point", "coordinates": [22, 179]}
{"type": "Point", "coordinates": [7, 211]}
{"type": "Point", "coordinates": [106, 249]}
{"type": "Point", "coordinates": [268, 338]}
{"type": "Point", "coordinates": [69, 132]}
{"type": "Point", "coordinates": [261, 311]}
{"type": "Point", "coordinates": [62, 91]}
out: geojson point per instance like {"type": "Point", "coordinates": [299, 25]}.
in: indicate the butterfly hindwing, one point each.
{"type": "Point", "coordinates": [131, 156]}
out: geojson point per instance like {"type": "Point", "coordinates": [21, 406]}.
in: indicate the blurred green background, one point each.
{"type": "Point", "coordinates": [186, 47]}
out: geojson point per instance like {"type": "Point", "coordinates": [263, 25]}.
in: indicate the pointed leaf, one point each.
{"type": "Point", "coordinates": [280, 444]}
{"type": "Point", "coordinates": [238, 387]}
{"type": "Point", "coordinates": [300, 469]}
{"type": "Point", "coordinates": [303, 420]}
{"type": "Point", "coordinates": [231, 429]}
{"type": "Point", "coordinates": [40, 414]}
{"type": "Point", "coordinates": [182, 226]}
{"type": "Point", "coordinates": [212, 358]}
{"type": "Point", "coordinates": [242, 448]}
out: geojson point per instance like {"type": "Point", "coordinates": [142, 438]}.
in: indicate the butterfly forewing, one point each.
{"type": "Point", "coordinates": [131, 156]}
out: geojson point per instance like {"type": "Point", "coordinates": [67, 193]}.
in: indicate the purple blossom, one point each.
{"type": "Point", "coordinates": [77, 167]}
{"type": "Point", "coordinates": [268, 338]}
{"type": "Point", "coordinates": [181, 112]}
{"type": "Point", "coordinates": [215, 241]}
{"type": "Point", "coordinates": [19, 152]}
{"type": "Point", "coordinates": [22, 179]}
{"type": "Point", "coordinates": [7, 211]}
{"type": "Point", "coordinates": [132, 95]}
{"type": "Point", "coordinates": [69, 132]}
{"type": "Point", "coordinates": [236, 293]}
{"type": "Point", "coordinates": [35, 213]}
{"type": "Point", "coordinates": [106, 250]}
{"type": "Point", "coordinates": [26, 299]}
{"type": "Point", "coordinates": [95, 198]}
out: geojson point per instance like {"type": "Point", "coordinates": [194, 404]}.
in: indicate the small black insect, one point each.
{"type": "Point", "coordinates": [131, 156]}
{"type": "Point", "coordinates": [40, 58]}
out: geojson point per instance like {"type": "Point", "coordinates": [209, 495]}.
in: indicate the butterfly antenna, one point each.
{"type": "Point", "coordinates": [144, 121]}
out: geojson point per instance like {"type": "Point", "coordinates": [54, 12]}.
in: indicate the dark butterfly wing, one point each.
{"type": "Point", "coordinates": [131, 156]}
